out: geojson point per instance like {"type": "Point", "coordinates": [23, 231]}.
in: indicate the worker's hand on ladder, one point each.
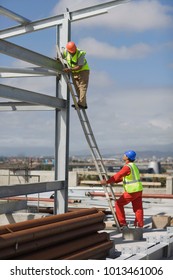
{"type": "Point", "coordinates": [103, 182]}
{"type": "Point", "coordinates": [67, 70]}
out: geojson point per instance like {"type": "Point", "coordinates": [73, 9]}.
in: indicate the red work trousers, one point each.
{"type": "Point", "coordinates": [136, 200]}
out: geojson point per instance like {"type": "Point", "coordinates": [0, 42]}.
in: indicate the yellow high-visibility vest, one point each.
{"type": "Point", "coordinates": [132, 182]}
{"type": "Point", "coordinates": [73, 60]}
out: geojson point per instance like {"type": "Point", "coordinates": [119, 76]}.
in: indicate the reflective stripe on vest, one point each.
{"type": "Point", "coordinates": [132, 182]}
{"type": "Point", "coordinates": [73, 60]}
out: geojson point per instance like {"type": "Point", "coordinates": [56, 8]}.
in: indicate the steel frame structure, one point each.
{"type": "Point", "coordinates": [45, 66]}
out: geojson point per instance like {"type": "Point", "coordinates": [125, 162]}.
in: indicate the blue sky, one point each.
{"type": "Point", "coordinates": [130, 94]}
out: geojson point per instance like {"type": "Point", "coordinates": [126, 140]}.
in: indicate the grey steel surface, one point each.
{"type": "Point", "coordinates": [31, 188]}
{"type": "Point", "coordinates": [14, 16]}
{"type": "Point", "coordinates": [24, 54]}
{"type": "Point", "coordinates": [62, 131]}
{"type": "Point", "coordinates": [7, 72]}
{"type": "Point", "coordinates": [31, 97]}
{"type": "Point", "coordinates": [23, 106]}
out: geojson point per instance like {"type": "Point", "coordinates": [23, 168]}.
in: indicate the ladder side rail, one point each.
{"type": "Point", "coordinates": [88, 132]}
{"type": "Point", "coordinates": [90, 145]}
{"type": "Point", "coordinates": [90, 129]}
{"type": "Point", "coordinates": [93, 154]}
{"type": "Point", "coordinates": [92, 151]}
{"type": "Point", "coordinates": [84, 121]}
{"type": "Point", "coordinates": [99, 154]}
{"type": "Point", "coordinates": [97, 149]}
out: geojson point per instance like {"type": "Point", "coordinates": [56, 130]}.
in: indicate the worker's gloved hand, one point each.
{"type": "Point", "coordinates": [103, 182]}
{"type": "Point", "coordinates": [67, 70]}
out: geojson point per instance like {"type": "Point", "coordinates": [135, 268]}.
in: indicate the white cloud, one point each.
{"type": "Point", "coordinates": [139, 15]}
{"type": "Point", "coordinates": [107, 51]}
{"type": "Point", "coordinates": [137, 116]}
{"type": "Point", "coordinates": [27, 129]}
{"type": "Point", "coordinates": [163, 124]}
{"type": "Point", "coordinates": [61, 6]}
{"type": "Point", "coordinates": [101, 80]}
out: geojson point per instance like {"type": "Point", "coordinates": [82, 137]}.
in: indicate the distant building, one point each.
{"type": "Point", "coordinates": [154, 167]}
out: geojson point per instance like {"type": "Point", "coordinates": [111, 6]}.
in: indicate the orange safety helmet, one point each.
{"type": "Point", "coordinates": [71, 47]}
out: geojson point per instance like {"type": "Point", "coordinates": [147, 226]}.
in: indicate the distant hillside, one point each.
{"type": "Point", "coordinates": [149, 151]}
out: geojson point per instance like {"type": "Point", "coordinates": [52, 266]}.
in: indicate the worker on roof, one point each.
{"type": "Point", "coordinates": [78, 66]}
{"type": "Point", "coordinates": [130, 177]}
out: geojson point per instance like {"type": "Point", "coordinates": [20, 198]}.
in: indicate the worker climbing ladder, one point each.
{"type": "Point", "coordinates": [89, 135]}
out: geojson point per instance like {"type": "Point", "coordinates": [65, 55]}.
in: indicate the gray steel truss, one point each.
{"type": "Point", "coordinates": [57, 20]}
{"type": "Point", "coordinates": [27, 100]}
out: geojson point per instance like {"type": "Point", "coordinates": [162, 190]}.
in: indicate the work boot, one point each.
{"type": "Point", "coordinates": [82, 107]}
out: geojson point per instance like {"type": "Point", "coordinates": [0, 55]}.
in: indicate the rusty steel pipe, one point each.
{"type": "Point", "coordinates": [50, 210]}
{"type": "Point", "coordinates": [58, 251]}
{"type": "Point", "coordinates": [46, 220]}
{"type": "Point", "coordinates": [35, 233]}
{"type": "Point", "coordinates": [168, 196]}
{"type": "Point", "coordinates": [11, 252]}
{"type": "Point", "coordinates": [94, 251]}
{"type": "Point", "coordinates": [44, 199]}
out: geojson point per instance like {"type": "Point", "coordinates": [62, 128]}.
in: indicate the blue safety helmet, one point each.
{"type": "Point", "coordinates": [130, 154]}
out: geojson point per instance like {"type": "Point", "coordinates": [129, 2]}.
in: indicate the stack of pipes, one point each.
{"type": "Point", "coordinates": [74, 236]}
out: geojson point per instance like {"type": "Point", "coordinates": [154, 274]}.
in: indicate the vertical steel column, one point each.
{"type": "Point", "coordinates": [62, 128]}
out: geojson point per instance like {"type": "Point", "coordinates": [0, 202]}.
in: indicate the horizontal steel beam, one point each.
{"type": "Point", "coordinates": [14, 16]}
{"type": "Point", "coordinates": [34, 26]}
{"type": "Point", "coordinates": [22, 106]}
{"type": "Point", "coordinates": [31, 97]}
{"type": "Point", "coordinates": [25, 189]}
{"type": "Point", "coordinates": [24, 54]}
{"type": "Point", "coordinates": [7, 72]}
{"type": "Point", "coordinates": [58, 20]}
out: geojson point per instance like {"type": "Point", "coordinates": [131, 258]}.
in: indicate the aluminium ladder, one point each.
{"type": "Point", "coordinates": [89, 135]}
